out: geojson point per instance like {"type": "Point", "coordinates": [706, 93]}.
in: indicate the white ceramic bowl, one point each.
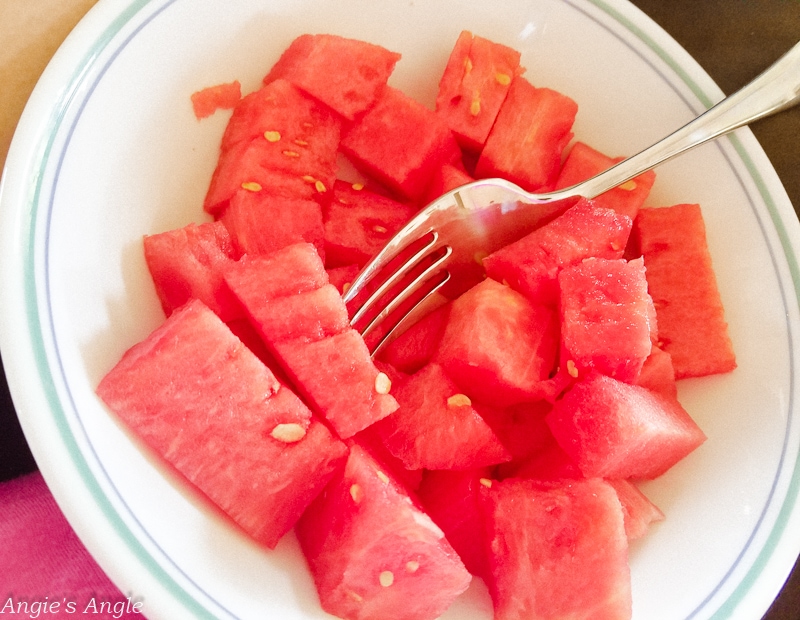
{"type": "Point", "coordinates": [108, 150]}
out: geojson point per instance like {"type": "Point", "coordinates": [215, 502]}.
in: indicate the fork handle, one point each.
{"type": "Point", "coordinates": [777, 88]}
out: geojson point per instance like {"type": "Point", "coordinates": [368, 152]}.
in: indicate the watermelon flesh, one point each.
{"type": "Point", "coordinates": [359, 222]}
{"type": "Point", "coordinates": [303, 320]}
{"type": "Point", "coordinates": [606, 317]}
{"type": "Point", "coordinates": [218, 97]}
{"type": "Point", "coordinates": [498, 346]}
{"type": "Point", "coordinates": [260, 222]}
{"type": "Point", "coordinates": [584, 162]}
{"type": "Point", "coordinates": [473, 86]}
{"type": "Point", "coordinates": [189, 263]}
{"type": "Point", "coordinates": [692, 326]}
{"type": "Point", "coordinates": [373, 553]}
{"type": "Point", "coordinates": [400, 143]}
{"type": "Point", "coordinates": [557, 550]}
{"type": "Point", "coordinates": [345, 74]}
{"type": "Point", "coordinates": [612, 429]}
{"type": "Point", "coordinates": [531, 265]}
{"type": "Point", "coordinates": [208, 406]}
{"type": "Point", "coordinates": [638, 511]}
{"type": "Point", "coordinates": [452, 499]}
{"type": "Point", "coordinates": [527, 140]}
{"type": "Point", "coordinates": [290, 150]}
{"type": "Point", "coordinates": [436, 426]}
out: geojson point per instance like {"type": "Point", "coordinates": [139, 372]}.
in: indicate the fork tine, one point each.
{"type": "Point", "coordinates": [406, 293]}
{"type": "Point", "coordinates": [393, 278]}
{"type": "Point", "coordinates": [422, 307]}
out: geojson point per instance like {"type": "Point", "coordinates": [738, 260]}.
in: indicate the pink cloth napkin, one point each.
{"type": "Point", "coordinates": [45, 571]}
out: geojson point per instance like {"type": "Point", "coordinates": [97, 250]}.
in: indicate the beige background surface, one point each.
{"type": "Point", "coordinates": [732, 39]}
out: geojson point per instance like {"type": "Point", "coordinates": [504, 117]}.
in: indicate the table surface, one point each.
{"type": "Point", "coordinates": [731, 39]}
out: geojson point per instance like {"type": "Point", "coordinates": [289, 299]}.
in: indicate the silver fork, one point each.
{"type": "Point", "coordinates": [458, 228]}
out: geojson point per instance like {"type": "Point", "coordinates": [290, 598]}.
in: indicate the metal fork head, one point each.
{"type": "Point", "coordinates": [438, 255]}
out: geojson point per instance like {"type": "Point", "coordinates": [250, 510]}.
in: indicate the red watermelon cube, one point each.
{"type": "Point", "coordinates": [526, 143]}
{"type": "Point", "coordinates": [605, 317]}
{"type": "Point", "coordinates": [691, 319]}
{"type": "Point", "coordinates": [359, 222]}
{"type": "Point", "coordinates": [189, 263]}
{"type": "Point", "coordinates": [261, 222]}
{"type": "Point", "coordinates": [242, 167]}
{"type": "Point", "coordinates": [278, 140]}
{"type": "Point", "coordinates": [338, 376]}
{"type": "Point", "coordinates": [207, 405]}
{"type": "Point", "coordinates": [474, 85]}
{"type": "Point", "coordinates": [531, 265]}
{"type": "Point", "coordinates": [345, 74]}
{"type": "Point", "coordinates": [498, 346]}
{"type": "Point", "coordinates": [304, 322]}
{"type": "Point", "coordinates": [584, 162]}
{"type": "Point", "coordinates": [400, 143]}
{"type": "Point", "coordinates": [284, 116]}
{"type": "Point", "coordinates": [557, 550]}
{"type": "Point", "coordinates": [373, 553]}
{"type": "Point", "coordinates": [612, 429]}
{"type": "Point", "coordinates": [436, 426]}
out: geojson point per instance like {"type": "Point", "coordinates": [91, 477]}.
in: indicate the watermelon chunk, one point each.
{"type": "Point", "coordinates": [278, 140]}
{"type": "Point", "coordinates": [526, 143]}
{"type": "Point", "coordinates": [557, 550]}
{"type": "Point", "coordinates": [584, 162]}
{"type": "Point", "coordinates": [189, 263]}
{"type": "Point", "coordinates": [436, 426]}
{"type": "Point", "coordinates": [261, 222]}
{"type": "Point", "coordinates": [303, 321]}
{"type": "Point", "coordinates": [474, 85]}
{"type": "Point", "coordinates": [284, 116]}
{"type": "Point", "coordinates": [498, 346]}
{"type": "Point", "coordinates": [400, 143]}
{"type": "Point", "coordinates": [373, 553]}
{"type": "Point", "coordinates": [612, 429]}
{"type": "Point", "coordinates": [359, 222]}
{"type": "Point", "coordinates": [452, 499]}
{"type": "Point", "coordinates": [345, 74]}
{"type": "Point", "coordinates": [691, 319]}
{"type": "Point", "coordinates": [639, 512]}
{"type": "Point", "coordinates": [605, 317]}
{"type": "Point", "coordinates": [218, 97]}
{"type": "Point", "coordinates": [338, 376]}
{"type": "Point", "coordinates": [306, 272]}
{"type": "Point", "coordinates": [242, 167]}
{"type": "Point", "coordinates": [206, 404]}
{"type": "Point", "coordinates": [531, 265]}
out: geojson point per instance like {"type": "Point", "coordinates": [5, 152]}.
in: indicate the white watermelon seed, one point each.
{"type": "Point", "coordinates": [382, 383]}
{"type": "Point", "coordinates": [288, 433]}
{"type": "Point", "coordinates": [386, 578]}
